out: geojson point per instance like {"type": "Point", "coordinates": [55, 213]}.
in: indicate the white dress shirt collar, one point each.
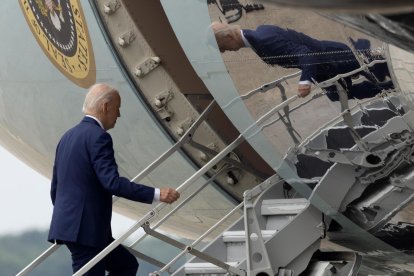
{"type": "Point", "coordinates": [96, 119]}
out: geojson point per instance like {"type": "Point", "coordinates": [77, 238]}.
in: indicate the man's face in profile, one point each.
{"type": "Point", "coordinates": [113, 111]}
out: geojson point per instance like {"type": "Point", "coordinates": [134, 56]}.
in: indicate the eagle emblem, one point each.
{"type": "Point", "coordinates": [60, 29]}
{"type": "Point", "coordinates": [53, 10]}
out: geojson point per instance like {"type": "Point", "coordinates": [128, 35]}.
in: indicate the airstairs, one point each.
{"type": "Point", "coordinates": [276, 236]}
{"type": "Point", "coordinates": [279, 233]}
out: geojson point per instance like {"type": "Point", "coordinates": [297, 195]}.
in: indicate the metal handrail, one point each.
{"type": "Point", "coordinates": [328, 83]}
{"type": "Point", "coordinates": [343, 98]}
{"type": "Point", "coordinates": [331, 81]}
{"type": "Point", "coordinates": [265, 87]}
{"type": "Point", "coordinates": [314, 97]}
{"type": "Point", "coordinates": [250, 130]}
{"type": "Point", "coordinates": [159, 222]}
{"type": "Point", "coordinates": [38, 260]}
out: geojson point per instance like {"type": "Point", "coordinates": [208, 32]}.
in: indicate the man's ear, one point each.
{"type": "Point", "coordinates": [105, 106]}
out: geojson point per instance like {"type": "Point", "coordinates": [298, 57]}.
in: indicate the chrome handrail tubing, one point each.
{"type": "Point", "coordinates": [158, 223]}
{"type": "Point", "coordinates": [29, 268]}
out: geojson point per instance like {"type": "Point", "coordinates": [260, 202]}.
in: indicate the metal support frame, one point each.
{"type": "Point", "coordinates": [257, 190]}
{"type": "Point", "coordinates": [287, 123]}
{"type": "Point", "coordinates": [334, 120]}
{"type": "Point", "coordinates": [343, 98]}
{"type": "Point", "coordinates": [258, 262]}
{"type": "Point", "coordinates": [190, 248]}
{"type": "Point", "coordinates": [145, 258]}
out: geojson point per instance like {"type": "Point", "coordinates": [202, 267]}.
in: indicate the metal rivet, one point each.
{"type": "Point", "coordinates": [138, 72]}
{"type": "Point", "coordinates": [180, 131]}
{"type": "Point", "coordinates": [157, 103]}
{"type": "Point", "coordinates": [203, 157]}
{"type": "Point", "coordinates": [254, 237]}
{"type": "Point", "coordinates": [107, 9]}
{"type": "Point", "coordinates": [121, 42]}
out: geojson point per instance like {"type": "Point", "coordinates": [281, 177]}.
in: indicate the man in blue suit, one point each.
{"type": "Point", "coordinates": [319, 60]}
{"type": "Point", "coordinates": [85, 177]}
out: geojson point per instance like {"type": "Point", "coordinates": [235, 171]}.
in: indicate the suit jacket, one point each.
{"type": "Point", "coordinates": [317, 59]}
{"type": "Point", "coordinates": [85, 176]}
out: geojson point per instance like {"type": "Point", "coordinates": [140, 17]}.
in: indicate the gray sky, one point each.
{"type": "Point", "coordinates": [25, 202]}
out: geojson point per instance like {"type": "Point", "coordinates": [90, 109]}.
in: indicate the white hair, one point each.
{"type": "Point", "coordinates": [97, 94]}
{"type": "Point", "coordinates": [222, 30]}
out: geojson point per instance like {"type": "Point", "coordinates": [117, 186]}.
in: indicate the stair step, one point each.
{"type": "Point", "coordinates": [205, 268]}
{"type": "Point", "coordinates": [291, 206]}
{"type": "Point", "coordinates": [239, 236]}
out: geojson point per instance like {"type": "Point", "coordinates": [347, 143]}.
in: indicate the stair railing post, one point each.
{"type": "Point", "coordinates": [190, 248]}
{"type": "Point", "coordinates": [257, 258]}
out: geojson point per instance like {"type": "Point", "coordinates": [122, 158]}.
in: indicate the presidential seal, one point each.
{"type": "Point", "coordinates": [60, 29]}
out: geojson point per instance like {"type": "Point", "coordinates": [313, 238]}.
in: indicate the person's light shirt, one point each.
{"type": "Point", "coordinates": [245, 41]}
{"type": "Point", "coordinates": [157, 191]}
{"type": "Point", "coordinates": [96, 119]}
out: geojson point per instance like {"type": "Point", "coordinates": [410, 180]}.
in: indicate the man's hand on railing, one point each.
{"type": "Point", "coordinates": [304, 90]}
{"type": "Point", "coordinates": [168, 195]}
